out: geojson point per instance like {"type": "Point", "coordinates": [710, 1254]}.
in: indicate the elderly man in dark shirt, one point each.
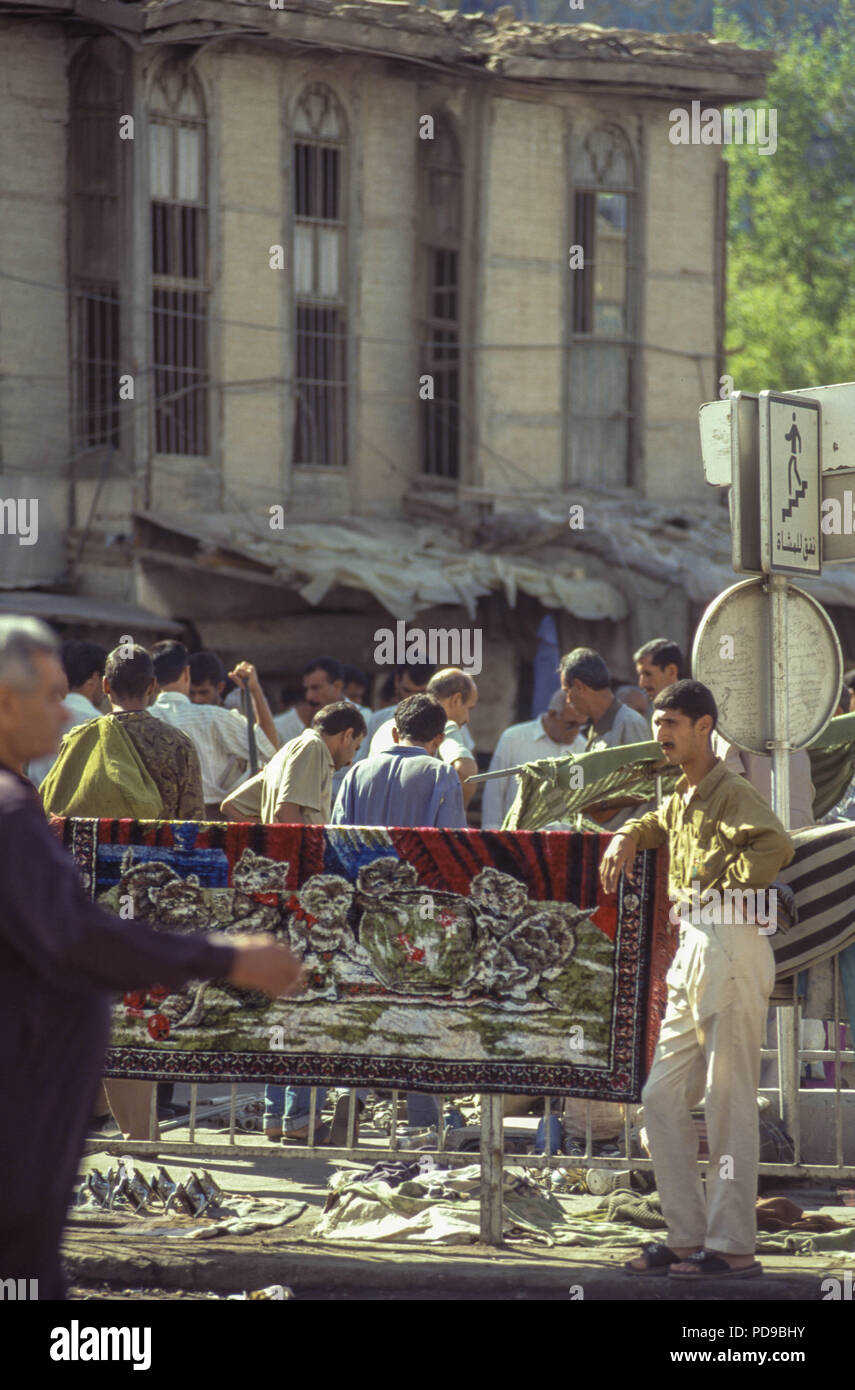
{"type": "Point", "coordinates": [61, 955]}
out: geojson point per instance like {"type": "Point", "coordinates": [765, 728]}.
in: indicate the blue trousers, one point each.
{"type": "Point", "coordinates": [289, 1106]}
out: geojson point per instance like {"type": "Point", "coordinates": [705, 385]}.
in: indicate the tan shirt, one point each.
{"type": "Point", "coordinates": [725, 836]}
{"type": "Point", "coordinates": [302, 773]}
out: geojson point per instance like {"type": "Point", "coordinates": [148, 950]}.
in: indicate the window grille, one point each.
{"type": "Point", "coordinates": [319, 183]}
{"type": "Point", "coordinates": [179, 263]}
{"type": "Point", "coordinates": [601, 359]}
{"type": "Point", "coordinates": [441, 223]}
{"type": "Point", "coordinates": [95, 206]}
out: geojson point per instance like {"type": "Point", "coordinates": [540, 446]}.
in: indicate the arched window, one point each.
{"type": "Point", "coordinates": [319, 201]}
{"type": "Point", "coordinates": [603, 303]}
{"type": "Point", "coordinates": [441, 227]}
{"type": "Point", "coordinates": [179, 261]}
{"type": "Point", "coordinates": [94, 251]}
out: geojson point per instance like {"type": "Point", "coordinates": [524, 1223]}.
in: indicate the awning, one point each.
{"type": "Point", "coordinates": [74, 608]}
{"type": "Point", "coordinates": [406, 566]}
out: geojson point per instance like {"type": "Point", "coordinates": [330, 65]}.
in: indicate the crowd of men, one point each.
{"type": "Point", "coordinates": [173, 745]}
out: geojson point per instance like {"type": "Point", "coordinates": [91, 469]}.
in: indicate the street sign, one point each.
{"type": "Point", "coordinates": [837, 520]}
{"type": "Point", "coordinates": [837, 445]}
{"type": "Point", "coordinates": [731, 655]}
{"type": "Point", "coordinates": [790, 537]}
{"type": "Point", "coordinates": [745, 483]}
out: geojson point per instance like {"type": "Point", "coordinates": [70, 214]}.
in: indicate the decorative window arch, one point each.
{"type": "Point", "coordinates": [603, 298]}
{"type": "Point", "coordinates": [95, 196]}
{"type": "Point", "coordinates": [441, 244]}
{"type": "Point", "coordinates": [319, 201]}
{"type": "Point", "coordinates": [178, 174]}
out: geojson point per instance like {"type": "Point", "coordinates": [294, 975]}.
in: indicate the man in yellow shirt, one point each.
{"type": "Point", "coordinates": [726, 846]}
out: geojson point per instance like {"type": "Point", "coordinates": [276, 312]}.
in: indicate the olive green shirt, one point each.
{"type": "Point", "coordinates": [726, 836]}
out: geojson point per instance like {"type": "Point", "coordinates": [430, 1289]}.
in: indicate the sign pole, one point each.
{"type": "Point", "coordinates": [788, 1064]}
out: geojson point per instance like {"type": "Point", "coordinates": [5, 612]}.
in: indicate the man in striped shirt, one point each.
{"type": "Point", "coordinates": [219, 735]}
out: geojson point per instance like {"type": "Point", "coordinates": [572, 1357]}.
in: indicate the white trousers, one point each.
{"type": "Point", "coordinates": [709, 1049]}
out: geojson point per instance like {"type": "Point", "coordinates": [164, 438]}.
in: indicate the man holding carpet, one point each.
{"type": "Point", "coordinates": [723, 839]}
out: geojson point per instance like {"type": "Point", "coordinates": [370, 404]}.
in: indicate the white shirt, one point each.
{"type": "Point", "coordinates": [521, 743]}
{"type": "Point", "coordinates": [289, 725]}
{"type": "Point", "coordinates": [219, 737]}
{"type": "Point", "coordinates": [80, 711]}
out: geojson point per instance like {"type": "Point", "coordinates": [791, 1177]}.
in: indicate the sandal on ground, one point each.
{"type": "Point", "coordinates": [709, 1265]}
{"type": "Point", "coordinates": [658, 1257]}
{"type": "Point", "coordinates": [322, 1136]}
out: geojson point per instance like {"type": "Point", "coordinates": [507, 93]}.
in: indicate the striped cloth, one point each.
{"type": "Point", "coordinates": [821, 876]}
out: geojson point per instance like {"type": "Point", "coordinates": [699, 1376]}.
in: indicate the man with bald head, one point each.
{"type": "Point", "coordinates": [458, 695]}
{"type": "Point", "coordinates": [553, 734]}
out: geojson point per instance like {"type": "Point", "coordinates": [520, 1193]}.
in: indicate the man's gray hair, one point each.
{"type": "Point", "coordinates": [21, 639]}
{"type": "Point", "coordinates": [585, 665]}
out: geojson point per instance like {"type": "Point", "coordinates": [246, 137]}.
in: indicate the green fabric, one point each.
{"type": "Point", "coordinates": [832, 763]}
{"type": "Point", "coordinates": [100, 773]}
{"type": "Point", "coordinates": [611, 775]}
{"type": "Point", "coordinates": [544, 793]}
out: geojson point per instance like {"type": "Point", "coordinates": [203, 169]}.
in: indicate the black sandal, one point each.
{"type": "Point", "coordinates": [709, 1265]}
{"type": "Point", "coordinates": [658, 1256]}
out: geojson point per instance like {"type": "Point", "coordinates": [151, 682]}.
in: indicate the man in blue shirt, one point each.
{"type": "Point", "coordinates": [406, 785]}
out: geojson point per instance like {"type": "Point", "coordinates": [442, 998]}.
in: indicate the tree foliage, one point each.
{"type": "Point", "coordinates": [791, 242]}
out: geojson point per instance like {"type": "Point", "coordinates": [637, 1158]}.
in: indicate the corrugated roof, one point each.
{"type": "Point", "coordinates": [78, 608]}
{"type": "Point", "coordinates": [522, 547]}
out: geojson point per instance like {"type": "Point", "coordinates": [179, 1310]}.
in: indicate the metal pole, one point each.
{"type": "Point", "coordinates": [492, 1141]}
{"type": "Point", "coordinates": [780, 745]}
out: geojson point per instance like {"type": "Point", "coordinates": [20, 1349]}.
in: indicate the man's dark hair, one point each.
{"type": "Point", "coordinates": [419, 672]}
{"type": "Point", "coordinates": [352, 674]}
{"type": "Point", "coordinates": [80, 660]}
{"type": "Point", "coordinates": [662, 652]}
{"type": "Point", "coordinates": [690, 698]}
{"type": "Point", "coordinates": [849, 679]}
{"type": "Point", "coordinates": [334, 669]}
{"type": "Point", "coordinates": [420, 718]}
{"type": "Point", "coordinates": [169, 659]}
{"type": "Point", "coordinates": [843, 702]}
{"type": "Point", "coordinates": [129, 674]}
{"type": "Point", "coordinates": [451, 682]}
{"type": "Point", "coordinates": [585, 665]}
{"type": "Point", "coordinates": [206, 666]}
{"type": "Point", "coordinates": [340, 715]}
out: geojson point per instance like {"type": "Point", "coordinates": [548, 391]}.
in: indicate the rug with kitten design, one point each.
{"type": "Point", "coordinates": [437, 960]}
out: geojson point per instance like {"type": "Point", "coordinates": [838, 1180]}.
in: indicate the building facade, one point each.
{"type": "Point", "coordinates": [369, 265]}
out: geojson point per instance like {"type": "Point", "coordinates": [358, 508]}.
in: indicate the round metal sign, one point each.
{"type": "Point", "coordinates": [731, 655]}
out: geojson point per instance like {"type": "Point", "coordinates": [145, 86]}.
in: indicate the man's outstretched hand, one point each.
{"type": "Point", "coordinates": [262, 962]}
{"type": "Point", "coordinates": [618, 857]}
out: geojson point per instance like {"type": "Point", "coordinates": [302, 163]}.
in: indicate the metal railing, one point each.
{"type": "Point", "coordinates": [493, 1156]}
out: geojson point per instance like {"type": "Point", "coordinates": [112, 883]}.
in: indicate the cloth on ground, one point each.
{"type": "Point", "coordinates": [238, 1216]}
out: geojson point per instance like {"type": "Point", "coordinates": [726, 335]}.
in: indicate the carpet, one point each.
{"type": "Point", "coordinates": [437, 960]}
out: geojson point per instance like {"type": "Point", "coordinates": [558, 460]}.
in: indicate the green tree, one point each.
{"type": "Point", "coordinates": [791, 243]}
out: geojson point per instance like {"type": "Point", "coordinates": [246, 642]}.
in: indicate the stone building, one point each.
{"type": "Point", "coordinates": [321, 316]}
